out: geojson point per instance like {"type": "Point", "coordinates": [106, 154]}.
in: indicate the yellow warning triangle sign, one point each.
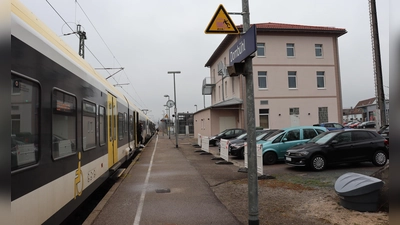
{"type": "Point", "coordinates": [166, 116]}
{"type": "Point", "coordinates": [221, 23]}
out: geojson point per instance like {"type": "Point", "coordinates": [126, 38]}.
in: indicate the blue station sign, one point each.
{"type": "Point", "coordinates": [244, 47]}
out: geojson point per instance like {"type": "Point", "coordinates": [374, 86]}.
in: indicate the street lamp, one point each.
{"type": "Point", "coordinates": [169, 118]}
{"type": "Point", "coordinates": [196, 107]}
{"type": "Point", "coordinates": [176, 120]}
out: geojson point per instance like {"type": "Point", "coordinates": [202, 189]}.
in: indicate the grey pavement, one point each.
{"type": "Point", "coordinates": [168, 185]}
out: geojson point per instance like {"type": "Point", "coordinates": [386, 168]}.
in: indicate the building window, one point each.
{"type": "Point", "coordinates": [290, 49]}
{"type": "Point", "coordinates": [292, 79]}
{"type": "Point", "coordinates": [260, 49]}
{"type": "Point", "coordinates": [322, 114]}
{"type": "Point", "coordinates": [264, 118]}
{"type": "Point", "coordinates": [294, 111]}
{"type": "Point", "coordinates": [233, 85]}
{"type": "Point", "coordinates": [88, 125]}
{"type": "Point", "coordinates": [262, 79]}
{"type": "Point", "coordinates": [318, 50]}
{"type": "Point", "coordinates": [63, 124]}
{"type": "Point", "coordinates": [264, 102]}
{"type": "Point", "coordinates": [102, 125]}
{"type": "Point", "coordinates": [226, 89]}
{"type": "Point", "coordinates": [219, 92]}
{"type": "Point", "coordinates": [25, 114]}
{"type": "Point", "coordinates": [320, 79]}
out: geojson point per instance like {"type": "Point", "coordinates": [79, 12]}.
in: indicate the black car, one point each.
{"type": "Point", "coordinates": [330, 126]}
{"type": "Point", "coordinates": [226, 134]}
{"type": "Point", "coordinates": [366, 124]}
{"type": "Point", "coordinates": [336, 147]}
{"type": "Point", "coordinates": [236, 146]}
{"type": "Point", "coordinates": [384, 132]}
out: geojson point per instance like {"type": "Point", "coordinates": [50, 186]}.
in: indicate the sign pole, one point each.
{"type": "Point", "coordinates": [251, 135]}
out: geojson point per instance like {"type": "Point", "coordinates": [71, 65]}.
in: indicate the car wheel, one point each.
{"type": "Point", "coordinates": [269, 158]}
{"type": "Point", "coordinates": [379, 158]}
{"type": "Point", "coordinates": [363, 127]}
{"type": "Point", "coordinates": [216, 143]}
{"type": "Point", "coordinates": [318, 162]}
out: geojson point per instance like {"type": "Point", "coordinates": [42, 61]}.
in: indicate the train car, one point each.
{"type": "Point", "coordinates": [70, 128]}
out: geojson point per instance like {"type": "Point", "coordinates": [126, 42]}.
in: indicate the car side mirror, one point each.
{"type": "Point", "coordinates": [334, 142]}
{"type": "Point", "coordinates": [284, 139]}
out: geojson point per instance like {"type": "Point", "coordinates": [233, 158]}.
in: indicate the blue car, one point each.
{"type": "Point", "coordinates": [275, 147]}
{"type": "Point", "coordinates": [331, 126]}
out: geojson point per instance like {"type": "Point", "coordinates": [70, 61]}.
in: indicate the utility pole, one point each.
{"type": "Point", "coordinates": [251, 127]}
{"type": "Point", "coordinates": [82, 38]}
{"type": "Point", "coordinates": [376, 52]}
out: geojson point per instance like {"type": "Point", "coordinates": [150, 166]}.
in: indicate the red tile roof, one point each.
{"type": "Point", "coordinates": [296, 27]}
{"type": "Point", "coordinates": [365, 102]}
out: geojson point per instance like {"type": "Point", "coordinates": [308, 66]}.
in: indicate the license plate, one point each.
{"type": "Point", "coordinates": [288, 159]}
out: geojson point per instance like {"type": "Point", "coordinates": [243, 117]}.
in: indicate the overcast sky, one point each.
{"type": "Point", "coordinates": [150, 38]}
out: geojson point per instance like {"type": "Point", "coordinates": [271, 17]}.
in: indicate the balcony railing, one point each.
{"type": "Point", "coordinates": [208, 85]}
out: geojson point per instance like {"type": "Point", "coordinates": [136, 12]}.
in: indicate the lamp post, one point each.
{"type": "Point", "coordinates": [169, 118]}
{"type": "Point", "coordinates": [176, 120]}
{"type": "Point", "coordinates": [196, 107]}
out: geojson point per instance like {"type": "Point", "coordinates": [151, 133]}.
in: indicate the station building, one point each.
{"type": "Point", "coordinates": [296, 76]}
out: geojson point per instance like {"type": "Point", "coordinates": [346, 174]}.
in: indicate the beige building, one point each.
{"type": "Point", "coordinates": [296, 80]}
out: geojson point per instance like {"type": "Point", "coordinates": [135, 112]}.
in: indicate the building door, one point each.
{"type": "Point", "coordinates": [226, 123]}
{"type": "Point", "coordinates": [294, 116]}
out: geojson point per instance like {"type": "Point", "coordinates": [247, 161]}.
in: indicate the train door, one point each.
{"type": "Point", "coordinates": [112, 114]}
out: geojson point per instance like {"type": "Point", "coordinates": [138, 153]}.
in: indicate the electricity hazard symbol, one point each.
{"type": "Point", "coordinates": [221, 23]}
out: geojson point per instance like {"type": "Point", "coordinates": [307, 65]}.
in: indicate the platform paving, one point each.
{"type": "Point", "coordinates": [167, 185]}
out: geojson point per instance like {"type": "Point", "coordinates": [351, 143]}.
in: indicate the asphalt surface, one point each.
{"type": "Point", "coordinates": [168, 185]}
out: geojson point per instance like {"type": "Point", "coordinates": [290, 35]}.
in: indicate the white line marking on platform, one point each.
{"type": "Point", "coordinates": [146, 182]}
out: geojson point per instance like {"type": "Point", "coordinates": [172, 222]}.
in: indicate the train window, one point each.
{"type": "Point", "coordinates": [121, 126]}
{"type": "Point", "coordinates": [88, 125]}
{"type": "Point", "coordinates": [126, 125]}
{"type": "Point", "coordinates": [102, 125]}
{"type": "Point", "coordinates": [25, 114]}
{"type": "Point", "coordinates": [63, 124]}
{"type": "Point", "coordinates": [131, 127]}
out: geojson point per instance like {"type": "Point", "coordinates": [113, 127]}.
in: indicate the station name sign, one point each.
{"type": "Point", "coordinates": [244, 47]}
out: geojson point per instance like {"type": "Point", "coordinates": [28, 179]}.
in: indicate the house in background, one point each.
{"type": "Point", "coordinates": [352, 114]}
{"type": "Point", "coordinates": [370, 111]}
{"type": "Point", "coordinates": [296, 80]}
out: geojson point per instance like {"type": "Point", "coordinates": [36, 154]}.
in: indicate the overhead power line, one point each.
{"type": "Point", "coordinates": [86, 46]}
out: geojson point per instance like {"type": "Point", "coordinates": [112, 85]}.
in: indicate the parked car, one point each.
{"type": "Point", "coordinates": [331, 126]}
{"type": "Point", "coordinates": [226, 134]}
{"type": "Point", "coordinates": [274, 148]}
{"type": "Point", "coordinates": [348, 124]}
{"type": "Point", "coordinates": [384, 132]}
{"type": "Point", "coordinates": [336, 147]}
{"type": "Point", "coordinates": [367, 124]}
{"type": "Point", "coordinates": [236, 146]}
{"type": "Point", "coordinates": [354, 125]}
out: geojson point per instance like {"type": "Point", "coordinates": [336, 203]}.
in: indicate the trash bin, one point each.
{"type": "Point", "coordinates": [359, 192]}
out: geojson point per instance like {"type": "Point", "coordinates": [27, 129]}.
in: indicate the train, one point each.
{"type": "Point", "coordinates": [71, 129]}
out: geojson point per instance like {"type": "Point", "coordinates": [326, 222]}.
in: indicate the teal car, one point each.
{"type": "Point", "coordinates": [275, 147]}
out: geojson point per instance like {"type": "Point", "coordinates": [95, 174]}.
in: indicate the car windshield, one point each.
{"type": "Point", "coordinates": [242, 136]}
{"type": "Point", "coordinates": [322, 138]}
{"type": "Point", "coordinates": [223, 132]}
{"type": "Point", "coordinates": [274, 135]}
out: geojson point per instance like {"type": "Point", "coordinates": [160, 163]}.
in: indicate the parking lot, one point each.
{"type": "Point", "coordinates": [327, 177]}
{"type": "Point", "coordinates": [298, 194]}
